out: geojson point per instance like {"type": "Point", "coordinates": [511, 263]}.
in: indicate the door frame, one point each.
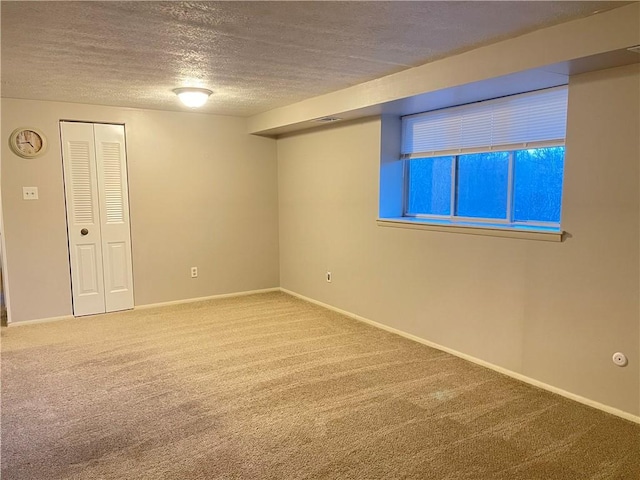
{"type": "Point", "coordinates": [3, 266]}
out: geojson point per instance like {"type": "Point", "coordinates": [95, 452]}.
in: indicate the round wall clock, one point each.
{"type": "Point", "coordinates": [28, 142]}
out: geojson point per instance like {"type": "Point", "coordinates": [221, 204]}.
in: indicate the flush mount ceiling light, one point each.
{"type": "Point", "coordinates": [193, 97]}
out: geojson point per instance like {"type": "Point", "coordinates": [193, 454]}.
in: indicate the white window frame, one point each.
{"type": "Point", "coordinates": [482, 127]}
{"type": "Point", "coordinates": [456, 219]}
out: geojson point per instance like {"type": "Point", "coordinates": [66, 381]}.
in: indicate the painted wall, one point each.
{"type": "Point", "coordinates": [555, 312]}
{"type": "Point", "coordinates": [202, 193]}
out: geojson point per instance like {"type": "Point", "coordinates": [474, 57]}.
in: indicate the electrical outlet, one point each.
{"type": "Point", "coordinates": [194, 272]}
{"type": "Point", "coordinates": [328, 277]}
{"type": "Point", "coordinates": [30, 193]}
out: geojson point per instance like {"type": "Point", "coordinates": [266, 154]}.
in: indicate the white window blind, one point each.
{"type": "Point", "coordinates": [529, 120]}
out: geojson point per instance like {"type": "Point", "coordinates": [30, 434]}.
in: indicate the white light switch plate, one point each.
{"type": "Point", "coordinates": [30, 193]}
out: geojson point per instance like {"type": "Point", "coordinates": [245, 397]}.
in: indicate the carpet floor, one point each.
{"type": "Point", "coordinates": [271, 387]}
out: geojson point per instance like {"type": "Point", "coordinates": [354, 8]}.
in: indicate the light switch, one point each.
{"type": "Point", "coordinates": [30, 193]}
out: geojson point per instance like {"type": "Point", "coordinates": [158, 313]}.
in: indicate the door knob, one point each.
{"type": "Point", "coordinates": [84, 232]}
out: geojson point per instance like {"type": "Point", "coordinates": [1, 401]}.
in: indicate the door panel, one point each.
{"type": "Point", "coordinates": [117, 267]}
{"type": "Point", "coordinates": [87, 265]}
{"type": "Point", "coordinates": [83, 194]}
{"type": "Point", "coordinates": [113, 183]}
{"type": "Point", "coordinates": [114, 211]}
{"type": "Point", "coordinates": [83, 218]}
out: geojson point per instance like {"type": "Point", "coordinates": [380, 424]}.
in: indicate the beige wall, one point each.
{"type": "Point", "coordinates": [555, 312]}
{"type": "Point", "coordinates": [202, 193]}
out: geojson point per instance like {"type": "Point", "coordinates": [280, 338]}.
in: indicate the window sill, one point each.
{"type": "Point", "coordinates": [527, 233]}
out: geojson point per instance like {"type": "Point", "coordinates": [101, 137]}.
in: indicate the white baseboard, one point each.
{"type": "Point", "coordinates": [211, 297]}
{"type": "Point", "coordinates": [152, 305]}
{"type": "Point", "coordinates": [39, 320]}
{"type": "Point", "coordinates": [504, 371]}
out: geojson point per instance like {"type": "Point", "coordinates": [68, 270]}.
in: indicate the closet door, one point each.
{"type": "Point", "coordinates": [114, 215]}
{"type": "Point", "coordinates": [96, 190]}
{"type": "Point", "coordinates": [83, 218]}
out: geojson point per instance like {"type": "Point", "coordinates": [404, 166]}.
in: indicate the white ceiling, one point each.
{"type": "Point", "coordinates": [256, 56]}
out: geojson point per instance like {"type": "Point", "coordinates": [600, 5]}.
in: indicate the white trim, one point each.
{"type": "Point", "coordinates": [452, 191]}
{"type": "Point", "coordinates": [148, 306]}
{"type": "Point", "coordinates": [510, 182]}
{"type": "Point", "coordinates": [491, 231]}
{"type": "Point", "coordinates": [23, 323]}
{"type": "Point", "coordinates": [483, 363]}
{"type": "Point", "coordinates": [211, 297]}
{"type": "Point", "coordinates": [5, 272]}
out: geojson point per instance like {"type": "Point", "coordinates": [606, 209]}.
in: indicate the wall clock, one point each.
{"type": "Point", "coordinates": [28, 142]}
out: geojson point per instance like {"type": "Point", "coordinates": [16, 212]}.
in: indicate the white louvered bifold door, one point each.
{"type": "Point", "coordinates": [114, 215]}
{"type": "Point", "coordinates": [96, 190]}
{"type": "Point", "coordinates": [83, 218]}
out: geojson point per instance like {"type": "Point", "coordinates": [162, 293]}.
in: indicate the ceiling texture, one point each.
{"type": "Point", "coordinates": [255, 56]}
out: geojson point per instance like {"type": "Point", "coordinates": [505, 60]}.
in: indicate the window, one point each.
{"type": "Point", "coordinates": [518, 187]}
{"type": "Point", "coordinates": [497, 163]}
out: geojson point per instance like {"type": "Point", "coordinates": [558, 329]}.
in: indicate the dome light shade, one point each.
{"type": "Point", "coordinates": [193, 97]}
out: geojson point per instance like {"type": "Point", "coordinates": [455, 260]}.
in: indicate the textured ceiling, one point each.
{"type": "Point", "coordinates": [254, 55]}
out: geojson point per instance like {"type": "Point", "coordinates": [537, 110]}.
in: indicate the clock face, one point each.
{"type": "Point", "coordinates": [27, 143]}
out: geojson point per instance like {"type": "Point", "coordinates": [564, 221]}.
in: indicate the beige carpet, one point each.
{"type": "Point", "coordinates": [271, 387]}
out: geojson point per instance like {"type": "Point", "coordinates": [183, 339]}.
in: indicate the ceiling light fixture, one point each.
{"type": "Point", "coordinates": [193, 97]}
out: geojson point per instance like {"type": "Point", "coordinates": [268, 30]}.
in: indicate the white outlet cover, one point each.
{"type": "Point", "coordinates": [620, 359]}
{"type": "Point", "coordinates": [30, 193]}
